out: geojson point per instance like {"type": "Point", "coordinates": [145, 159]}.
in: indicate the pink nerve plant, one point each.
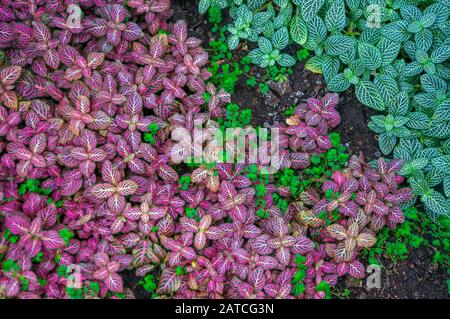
{"type": "Point", "coordinates": [32, 236]}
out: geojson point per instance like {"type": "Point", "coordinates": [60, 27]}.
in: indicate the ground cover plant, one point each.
{"type": "Point", "coordinates": [394, 53]}
{"type": "Point", "coordinates": [92, 93]}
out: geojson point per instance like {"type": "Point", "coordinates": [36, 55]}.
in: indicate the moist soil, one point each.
{"type": "Point", "coordinates": [417, 276]}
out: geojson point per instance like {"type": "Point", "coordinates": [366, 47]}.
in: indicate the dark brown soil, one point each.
{"type": "Point", "coordinates": [416, 277]}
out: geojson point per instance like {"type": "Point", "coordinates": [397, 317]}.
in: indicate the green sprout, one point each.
{"type": "Point", "coordinates": [66, 235]}
{"type": "Point", "coordinates": [149, 136]}
{"type": "Point", "coordinates": [185, 182]}
{"type": "Point", "coordinates": [149, 284]}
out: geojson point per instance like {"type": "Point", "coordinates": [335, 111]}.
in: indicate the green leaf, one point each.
{"type": "Point", "coordinates": [428, 20]}
{"type": "Point", "coordinates": [387, 143]}
{"type": "Point", "coordinates": [260, 20]}
{"type": "Point", "coordinates": [442, 113]}
{"type": "Point", "coordinates": [335, 16]}
{"type": "Point", "coordinates": [370, 55]}
{"type": "Point", "coordinates": [410, 12]}
{"type": "Point", "coordinates": [401, 131]}
{"type": "Point", "coordinates": [286, 60]}
{"type": "Point", "coordinates": [402, 104]}
{"type": "Point", "coordinates": [375, 128]}
{"type": "Point", "coordinates": [284, 17]}
{"type": "Point", "coordinates": [415, 27]}
{"type": "Point", "coordinates": [442, 71]}
{"type": "Point", "coordinates": [222, 4]}
{"type": "Point", "coordinates": [410, 48]}
{"type": "Point", "coordinates": [349, 56]}
{"type": "Point", "coordinates": [400, 121]}
{"type": "Point", "coordinates": [412, 145]}
{"type": "Point", "coordinates": [413, 69]}
{"type": "Point", "coordinates": [314, 64]}
{"type": "Point", "coordinates": [440, 10]}
{"type": "Point", "coordinates": [378, 121]}
{"type": "Point", "coordinates": [442, 163]}
{"type": "Point", "coordinates": [330, 67]}
{"type": "Point", "coordinates": [338, 44]}
{"type": "Point", "coordinates": [369, 94]}
{"type": "Point", "coordinates": [265, 45]}
{"type": "Point", "coordinates": [351, 76]}
{"type": "Point", "coordinates": [353, 4]}
{"type": "Point", "coordinates": [429, 153]}
{"type": "Point", "coordinates": [370, 36]}
{"type": "Point", "coordinates": [419, 186]}
{"type": "Point", "coordinates": [338, 83]}
{"type": "Point", "coordinates": [414, 166]}
{"type": "Point", "coordinates": [317, 31]}
{"type": "Point", "coordinates": [434, 177]}
{"type": "Point", "coordinates": [424, 39]}
{"type": "Point", "coordinates": [357, 66]}
{"type": "Point", "coordinates": [418, 121]}
{"type": "Point", "coordinates": [203, 6]}
{"type": "Point", "coordinates": [256, 56]}
{"type": "Point", "coordinates": [388, 88]}
{"type": "Point", "coordinates": [440, 54]}
{"type": "Point", "coordinates": [245, 14]}
{"type": "Point", "coordinates": [426, 100]}
{"type": "Point", "coordinates": [396, 31]}
{"type": "Point", "coordinates": [389, 51]}
{"type": "Point", "coordinates": [446, 185]}
{"type": "Point", "coordinates": [299, 30]}
{"type": "Point", "coordinates": [233, 42]}
{"type": "Point", "coordinates": [437, 205]}
{"type": "Point", "coordinates": [281, 3]}
{"type": "Point", "coordinates": [309, 8]}
{"type": "Point", "coordinates": [280, 39]}
{"type": "Point", "coordinates": [255, 4]}
{"type": "Point", "coordinates": [439, 130]}
{"type": "Point", "coordinates": [432, 83]}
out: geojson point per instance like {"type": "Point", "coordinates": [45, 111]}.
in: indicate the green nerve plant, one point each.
{"type": "Point", "coordinates": [394, 53]}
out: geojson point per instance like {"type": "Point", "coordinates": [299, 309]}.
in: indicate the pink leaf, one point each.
{"type": "Point", "coordinates": [200, 241]}
{"type": "Point", "coordinates": [114, 282]}
{"type": "Point", "coordinates": [169, 282]}
{"type": "Point", "coordinates": [302, 245]}
{"type": "Point", "coordinates": [102, 190]}
{"type": "Point", "coordinates": [52, 240]}
{"type": "Point", "coordinates": [257, 278]}
{"type": "Point", "coordinates": [127, 187]}
{"type": "Point", "coordinates": [214, 233]}
{"type": "Point", "coordinates": [17, 224]}
{"type": "Point", "coordinates": [71, 186]}
{"type": "Point", "coordinates": [356, 269]}
{"type": "Point", "coordinates": [10, 74]}
{"type": "Point", "coordinates": [188, 224]}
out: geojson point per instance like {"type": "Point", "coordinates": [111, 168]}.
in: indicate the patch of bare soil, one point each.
{"type": "Point", "coordinates": [415, 278]}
